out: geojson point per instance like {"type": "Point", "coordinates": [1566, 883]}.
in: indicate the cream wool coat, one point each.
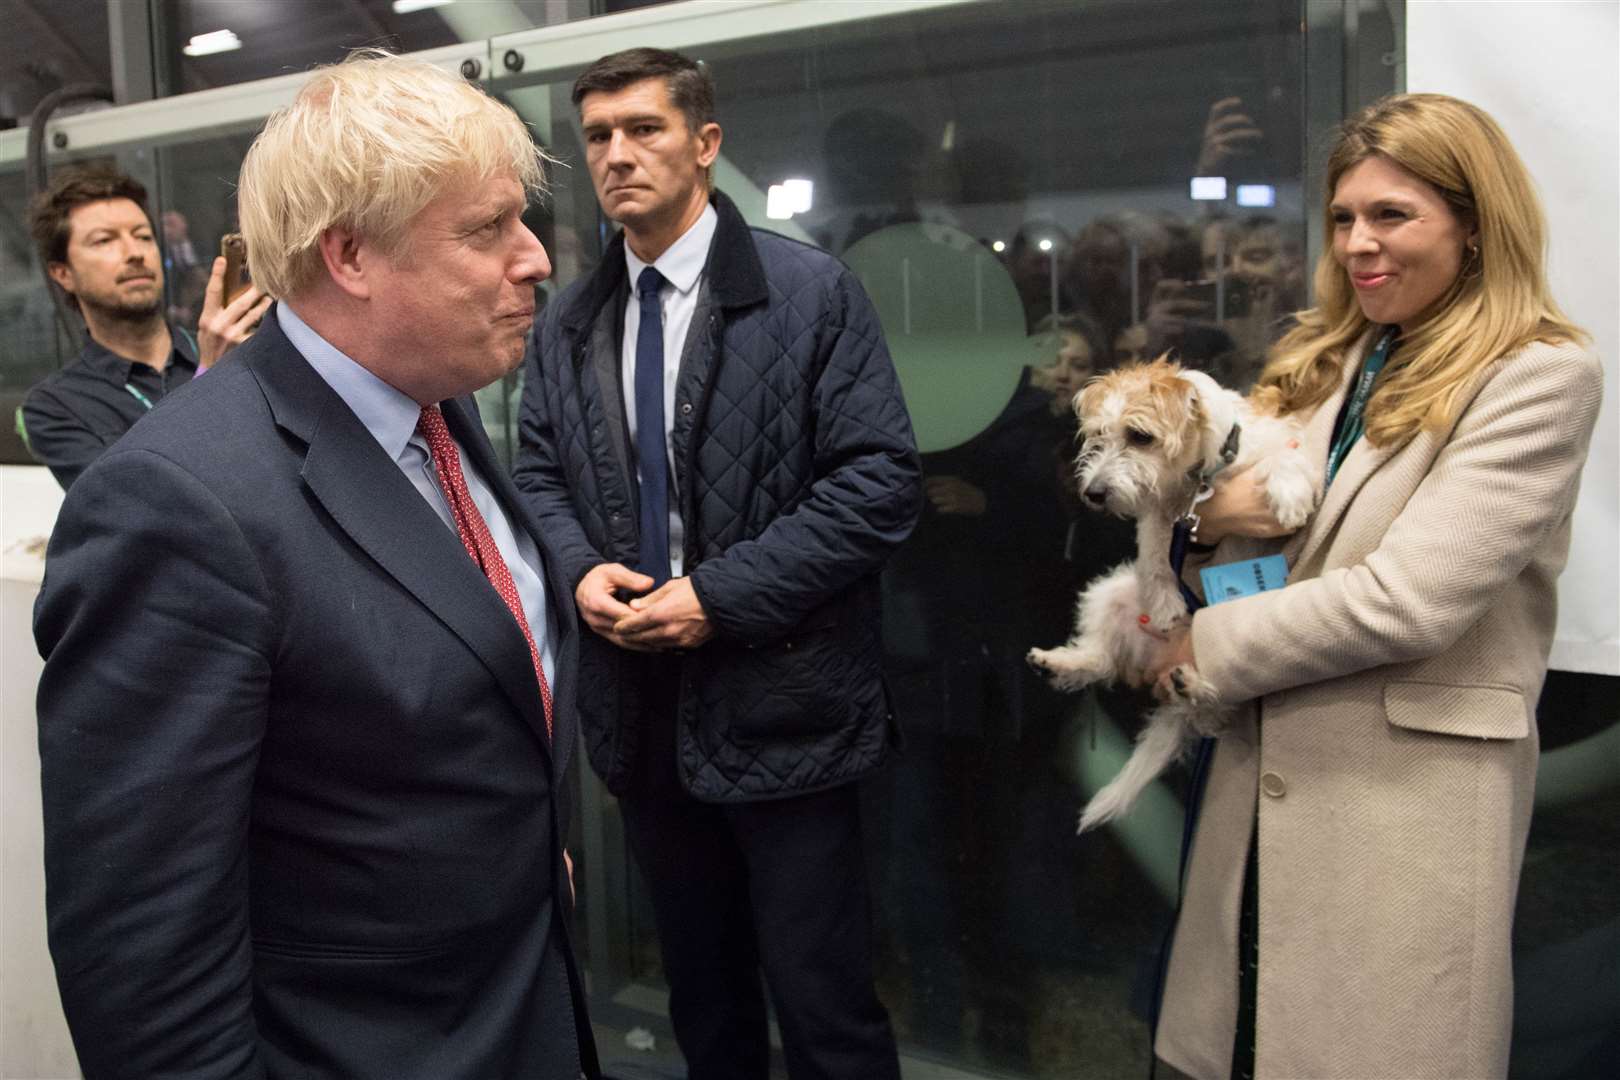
{"type": "Point", "coordinates": [1396, 679]}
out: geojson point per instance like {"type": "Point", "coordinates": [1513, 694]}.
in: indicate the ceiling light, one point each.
{"type": "Point", "coordinates": [789, 197]}
{"type": "Point", "coordinates": [1208, 188]}
{"type": "Point", "coordinates": [405, 7]}
{"type": "Point", "coordinates": [799, 191]}
{"type": "Point", "coordinates": [1256, 195]}
{"type": "Point", "coordinates": [998, 246]}
{"type": "Point", "coordinates": [217, 41]}
{"type": "Point", "coordinates": [776, 203]}
{"type": "Point", "coordinates": [1045, 244]}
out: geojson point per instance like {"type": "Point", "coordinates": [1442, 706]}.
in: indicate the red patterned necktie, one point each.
{"type": "Point", "coordinates": [475, 535]}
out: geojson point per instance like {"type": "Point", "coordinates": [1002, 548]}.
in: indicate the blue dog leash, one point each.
{"type": "Point", "coordinates": [1181, 539]}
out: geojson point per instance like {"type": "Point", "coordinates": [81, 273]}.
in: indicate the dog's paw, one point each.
{"type": "Point", "coordinates": [1292, 514]}
{"type": "Point", "coordinates": [1189, 686]}
{"type": "Point", "coordinates": [1065, 668]}
{"type": "Point", "coordinates": [1203, 711]}
{"type": "Point", "coordinates": [1291, 491]}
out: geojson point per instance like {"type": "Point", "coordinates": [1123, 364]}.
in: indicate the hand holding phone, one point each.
{"type": "Point", "coordinates": [232, 307]}
{"type": "Point", "coordinates": [234, 248]}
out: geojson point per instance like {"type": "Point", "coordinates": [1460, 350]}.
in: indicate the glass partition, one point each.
{"type": "Point", "coordinates": [1031, 193]}
{"type": "Point", "coordinates": [1014, 188]}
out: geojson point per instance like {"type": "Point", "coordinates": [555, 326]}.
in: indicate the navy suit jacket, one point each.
{"type": "Point", "coordinates": [301, 814]}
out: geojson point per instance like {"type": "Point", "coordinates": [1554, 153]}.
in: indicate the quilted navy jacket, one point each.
{"type": "Point", "coordinates": [798, 475]}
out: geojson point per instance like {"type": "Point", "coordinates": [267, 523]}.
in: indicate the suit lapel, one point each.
{"type": "Point", "coordinates": [379, 510]}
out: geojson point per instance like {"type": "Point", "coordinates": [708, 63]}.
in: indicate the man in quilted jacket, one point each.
{"type": "Point", "coordinates": [714, 439]}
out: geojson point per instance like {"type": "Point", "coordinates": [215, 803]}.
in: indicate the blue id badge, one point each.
{"type": "Point", "coordinates": [1228, 581]}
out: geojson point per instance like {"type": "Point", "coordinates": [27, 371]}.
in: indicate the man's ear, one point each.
{"type": "Point", "coordinates": [62, 274]}
{"type": "Point", "coordinates": [709, 137]}
{"type": "Point", "coordinates": [348, 257]}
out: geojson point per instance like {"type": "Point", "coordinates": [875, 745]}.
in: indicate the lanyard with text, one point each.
{"type": "Point", "coordinates": [1351, 427]}
{"type": "Point", "coordinates": [138, 396]}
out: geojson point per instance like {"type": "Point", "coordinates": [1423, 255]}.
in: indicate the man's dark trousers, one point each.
{"type": "Point", "coordinates": [779, 885]}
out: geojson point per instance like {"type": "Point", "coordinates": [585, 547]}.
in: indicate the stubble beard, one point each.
{"type": "Point", "coordinates": [134, 312]}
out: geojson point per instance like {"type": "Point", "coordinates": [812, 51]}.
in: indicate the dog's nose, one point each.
{"type": "Point", "coordinates": [1096, 494]}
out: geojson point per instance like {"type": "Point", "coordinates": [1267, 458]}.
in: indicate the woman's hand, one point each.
{"type": "Point", "coordinates": [1238, 507]}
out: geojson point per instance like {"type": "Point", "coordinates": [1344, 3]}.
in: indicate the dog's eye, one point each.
{"type": "Point", "coordinates": [1137, 437]}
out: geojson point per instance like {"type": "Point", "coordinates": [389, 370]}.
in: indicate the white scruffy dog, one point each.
{"type": "Point", "coordinates": [1155, 434]}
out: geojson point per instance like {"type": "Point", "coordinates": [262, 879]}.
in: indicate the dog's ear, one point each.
{"type": "Point", "coordinates": [1170, 416]}
{"type": "Point", "coordinates": [1089, 398]}
{"type": "Point", "coordinates": [1216, 411]}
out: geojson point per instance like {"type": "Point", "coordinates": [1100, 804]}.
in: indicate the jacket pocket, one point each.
{"type": "Point", "coordinates": [318, 950]}
{"type": "Point", "coordinates": [789, 687]}
{"type": "Point", "coordinates": [1475, 712]}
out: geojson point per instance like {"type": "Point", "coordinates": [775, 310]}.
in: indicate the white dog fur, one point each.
{"type": "Point", "coordinates": [1152, 435]}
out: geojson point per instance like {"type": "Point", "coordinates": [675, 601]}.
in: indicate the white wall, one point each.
{"type": "Point", "coordinates": [34, 1038]}
{"type": "Point", "coordinates": [1547, 70]}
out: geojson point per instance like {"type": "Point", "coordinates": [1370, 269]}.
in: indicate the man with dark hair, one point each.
{"type": "Point", "coordinates": [713, 438]}
{"type": "Point", "coordinates": [689, 86]}
{"type": "Point", "coordinates": [92, 231]}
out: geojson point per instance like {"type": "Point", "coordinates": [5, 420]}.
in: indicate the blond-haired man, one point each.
{"type": "Point", "coordinates": [302, 767]}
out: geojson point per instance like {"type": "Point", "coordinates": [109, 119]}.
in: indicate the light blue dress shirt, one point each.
{"type": "Point", "coordinates": [391, 418]}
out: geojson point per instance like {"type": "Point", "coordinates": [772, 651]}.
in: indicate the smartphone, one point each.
{"type": "Point", "coordinates": [1232, 294]}
{"type": "Point", "coordinates": [234, 248]}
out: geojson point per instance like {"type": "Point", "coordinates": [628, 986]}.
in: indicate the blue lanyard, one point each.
{"type": "Point", "coordinates": [138, 396]}
{"type": "Point", "coordinates": [1351, 427]}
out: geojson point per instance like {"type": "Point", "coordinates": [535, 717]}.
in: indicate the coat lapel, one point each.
{"type": "Point", "coordinates": [379, 510]}
{"type": "Point", "coordinates": [1363, 460]}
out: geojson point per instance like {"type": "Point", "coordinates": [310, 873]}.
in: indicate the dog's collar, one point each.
{"type": "Point", "coordinates": [1229, 453]}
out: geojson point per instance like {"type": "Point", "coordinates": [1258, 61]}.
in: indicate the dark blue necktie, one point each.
{"type": "Point", "coordinates": [650, 458]}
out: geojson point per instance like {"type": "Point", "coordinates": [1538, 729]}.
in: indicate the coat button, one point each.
{"type": "Point", "coordinates": [686, 408]}
{"type": "Point", "coordinates": [1272, 785]}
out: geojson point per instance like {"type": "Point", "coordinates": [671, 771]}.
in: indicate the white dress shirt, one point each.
{"type": "Point", "coordinates": [682, 266]}
{"type": "Point", "coordinates": [391, 418]}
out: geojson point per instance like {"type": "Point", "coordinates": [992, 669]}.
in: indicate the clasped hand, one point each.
{"type": "Point", "coordinates": [668, 619]}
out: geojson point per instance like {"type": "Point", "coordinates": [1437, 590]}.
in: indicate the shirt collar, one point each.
{"type": "Point", "coordinates": [116, 368]}
{"type": "Point", "coordinates": [682, 263]}
{"type": "Point", "coordinates": [387, 413]}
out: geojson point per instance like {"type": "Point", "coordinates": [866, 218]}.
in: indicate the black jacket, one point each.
{"type": "Point", "coordinates": [73, 415]}
{"type": "Point", "coordinates": [798, 475]}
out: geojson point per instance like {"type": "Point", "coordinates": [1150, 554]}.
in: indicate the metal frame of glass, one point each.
{"type": "Point", "coordinates": [1353, 50]}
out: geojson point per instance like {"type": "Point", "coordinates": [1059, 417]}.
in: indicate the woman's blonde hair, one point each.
{"type": "Point", "coordinates": [366, 145]}
{"type": "Point", "coordinates": [1498, 303]}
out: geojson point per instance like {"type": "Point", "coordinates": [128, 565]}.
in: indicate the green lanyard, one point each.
{"type": "Point", "coordinates": [145, 401]}
{"type": "Point", "coordinates": [138, 396]}
{"type": "Point", "coordinates": [1351, 427]}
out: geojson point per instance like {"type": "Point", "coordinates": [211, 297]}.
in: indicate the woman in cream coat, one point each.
{"type": "Point", "coordinates": [1384, 772]}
